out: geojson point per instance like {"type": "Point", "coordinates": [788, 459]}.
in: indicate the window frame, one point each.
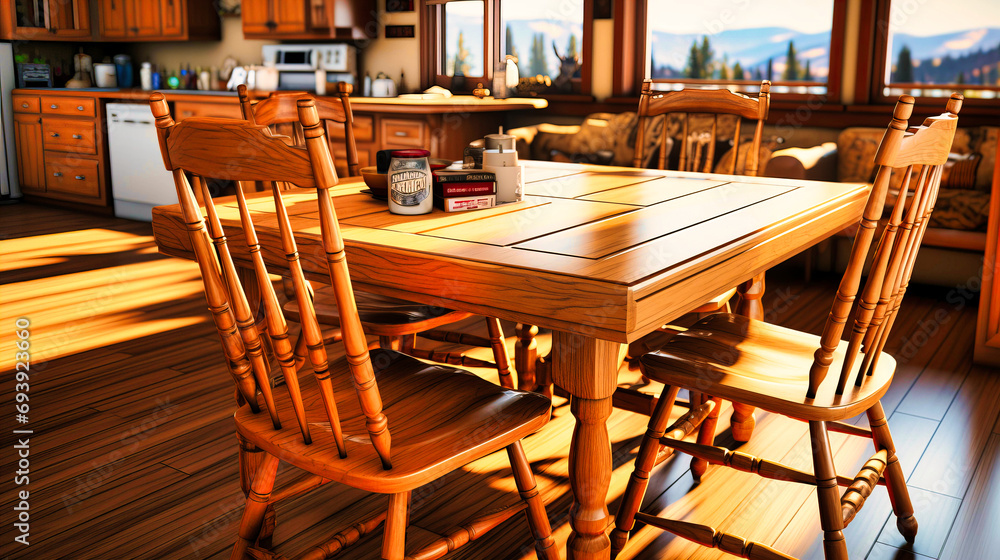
{"type": "Point", "coordinates": [877, 24]}
{"type": "Point", "coordinates": [631, 18]}
{"type": "Point", "coordinates": [432, 25]}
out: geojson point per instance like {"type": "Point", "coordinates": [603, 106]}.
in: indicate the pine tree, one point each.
{"type": "Point", "coordinates": [791, 65]}
{"type": "Point", "coordinates": [511, 48]}
{"type": "Point", "coordinates": [538, 65]}
{"type": "Point", "coordinates": [807, 74]}
{"type": "Point", "coordinates": [705, 54]}
{"type": "Point", "coordinates": [904, 67]}
{"type": "Point", "coordinates": [738, 73]}
{"type": "Point", "coordinates": [961, 78]}
{"type": "Point", "coordinates": [571, 50]}
{"type": "Point", "coordinates": [757, 76]}
{"type": "Point", "coordinates": [694, 69]}
{"type": "Point", "coordinates": [652, 64]}
{"type": "Point", "coordinates": [724, 68]}
{"type": "Point", "coordinates": [770, 69]}
{"type": "Point", "coordinates": [461, 57]}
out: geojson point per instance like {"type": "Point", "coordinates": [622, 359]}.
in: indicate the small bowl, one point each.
{"type": "Point", "coordinates": [438, 163]}
{"type": "Point", "coordinates": [377, 182]}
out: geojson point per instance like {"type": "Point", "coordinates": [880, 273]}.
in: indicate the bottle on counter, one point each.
{"type": "Point", "coordinates": [367, 89]}
{"type": "Point", "coordinates": [146, 76]}
{"type": "Point", "coordinates": [156, 80]}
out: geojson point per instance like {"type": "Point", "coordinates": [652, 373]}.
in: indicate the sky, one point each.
{"type": "Point", "coordinates": [713, 16]}
{"type": "Point", "coordinates": [924, 17]}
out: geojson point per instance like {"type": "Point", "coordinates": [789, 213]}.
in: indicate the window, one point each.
{"type": "Point", "coordinates": [934, 47]}
{"type": "Point", "coordinates": [546, 36]}
{"type": "Point", "coordinates": [736, 44]}
{"type": "Point", "coordinates": [463, 38]}
{"type": "Point", "coordinates": [462, 41]}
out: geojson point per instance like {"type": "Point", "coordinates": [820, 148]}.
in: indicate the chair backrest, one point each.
{"type": "Point", "coordinates": [246, 152]}
{"type": "Point", "coordinates": [922, 152]}
{"type": "Point", "coordinates": [697, 149]}
{"type": "Point", "coordinates": [278, 111]}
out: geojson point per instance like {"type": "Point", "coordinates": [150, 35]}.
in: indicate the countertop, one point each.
{"type": "Point", "coordinates": [454, 104]}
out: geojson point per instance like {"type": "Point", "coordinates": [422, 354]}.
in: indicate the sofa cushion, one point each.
{"type": "Point", "coordinates": [961, 209]}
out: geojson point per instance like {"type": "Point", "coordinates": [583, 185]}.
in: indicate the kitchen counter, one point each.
{"type": "Point", "coordinates": [454, 104]}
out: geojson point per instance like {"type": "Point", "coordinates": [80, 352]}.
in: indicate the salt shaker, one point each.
{"type": "Point", "coordinates": [410, 182]}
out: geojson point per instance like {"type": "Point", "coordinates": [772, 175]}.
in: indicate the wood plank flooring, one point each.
{"type": "Point", "coordinates": [133, 454]}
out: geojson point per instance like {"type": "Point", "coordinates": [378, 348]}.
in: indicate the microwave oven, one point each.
{"type": "Point", "coordinates": [331, 58]}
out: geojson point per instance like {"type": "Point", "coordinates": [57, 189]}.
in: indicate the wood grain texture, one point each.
{"type": "Point", "coordinates": [974, 534]}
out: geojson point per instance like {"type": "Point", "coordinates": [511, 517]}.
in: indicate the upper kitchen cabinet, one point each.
{"type": "Point", "coordinates": [309, 19]}
{"type": "Point", "coordinates": [157, 20]}
{"type": "Point", "coordinates": [49, 20]}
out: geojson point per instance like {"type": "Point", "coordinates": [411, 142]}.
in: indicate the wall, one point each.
{"type": "Point", "coordinates": [392, 55]}
{"type": "Point", "coordinates": [202, 53]}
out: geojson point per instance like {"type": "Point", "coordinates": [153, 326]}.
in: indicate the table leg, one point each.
{"type": "Point", "coordinates": [525, 354]}
{"type": "Point", "coordinates": [588, 369]}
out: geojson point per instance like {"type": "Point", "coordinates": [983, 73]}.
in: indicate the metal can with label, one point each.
{"type": "Point", "coordinates": [410, 182]}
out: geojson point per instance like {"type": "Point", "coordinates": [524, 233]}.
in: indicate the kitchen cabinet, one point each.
{"type": "Point", "coordinates": [28, 140]}
{"type": "Point", "coordinates": [157, 20]}
{"type": "Point", "coordinates": [308, 19]}
{"type": "Point", "coordinates": [50, 20]}
{"type": "Point", "coordinates": [61, 151]}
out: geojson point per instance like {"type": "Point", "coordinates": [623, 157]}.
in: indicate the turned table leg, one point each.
{"type": "Point", "coordinates": [588, 369]}
{"type": "Point", "coordinates": [525, 354]}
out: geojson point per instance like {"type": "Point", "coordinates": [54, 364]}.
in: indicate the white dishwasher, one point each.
{"type": "Point", "coordinates": [138, 179]}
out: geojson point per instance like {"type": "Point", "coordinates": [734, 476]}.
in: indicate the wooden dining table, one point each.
{"type": "Point", "coordinates": [600, 255]}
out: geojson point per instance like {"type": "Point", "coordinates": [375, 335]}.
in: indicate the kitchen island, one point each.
{"type": "Point", "coordinates": [63, 154]}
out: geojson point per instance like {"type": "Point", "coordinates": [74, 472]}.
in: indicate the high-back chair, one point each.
{"type": "Point", "coordinates": [278, 112]}
{"type": "Point", "coordinates": [786, 372]}
{"type": "Point", "coordinates": [408, 424]}
{"type": "Point", "coordinates": [396, 322]}
{"type": "Point", "coordinates": [697, 147]}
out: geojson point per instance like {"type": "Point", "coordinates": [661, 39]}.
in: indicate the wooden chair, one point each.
{"type": "Point", "coordinates": [442, 418]}
{"type": "Point", "coordinates": [783, 371]}
{"type": "Point", "coordinates": [396, 322]}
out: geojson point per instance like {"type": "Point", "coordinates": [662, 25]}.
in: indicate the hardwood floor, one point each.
{"type": "Point", "coordinates": [133, 453]}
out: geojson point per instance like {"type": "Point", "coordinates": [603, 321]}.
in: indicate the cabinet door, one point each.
{"type": "Point", "coordinates": [289, 16]}
{"type": "Point", "coordinates": [113, 19]}
{"type": "Point", "coordinates": [256, 16]}
{"type": "Point", "coordinates": [30, 163]}
{"type": "Point", "coordinates": [145, 18]}
{"type": "Point", "coordinates": [172, 17]}
{"type": "Point", "coordinates": [69, 18]}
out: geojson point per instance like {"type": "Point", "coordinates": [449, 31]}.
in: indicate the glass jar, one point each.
{"type": "Point", "coordinates": [410, 182]}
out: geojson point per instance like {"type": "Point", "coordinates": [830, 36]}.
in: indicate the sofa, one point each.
{"type": "Point", "coordinates": [960, 216]}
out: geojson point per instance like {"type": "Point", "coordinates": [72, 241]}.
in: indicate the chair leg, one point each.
{"type": "Point", "coordinates": [895, 482]}
{"type": "Point", "coordinates": [250, 458]}
{"type": "Point", "coordinates": [499, 347]}
{"type": "Point", "coordinates": [706, 436]}
{"type": "Point", "coordinates": [742, 422]}
{"type": "Point", "coordinates": [538, 520]}
{"type": "Point", "coordinates": [830, 517]}
{"type": "Point", "coordinates": [256, 506]}
{"type": "Point", "coordinates": [644, 462]}
{"type": "Point", "coordinates": [394, 538]}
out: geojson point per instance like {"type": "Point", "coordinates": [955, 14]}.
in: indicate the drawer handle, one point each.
{"type": "Point", "coordinates": [401, 133]}
{"type": "Point", "coordinates": [24, 105]}
{"type": "Point", "coordinates": [79, 177]}
{"type": "Point", "coordinates": [77, 136]}
{"type": "Point", "coordinates": [55, 135]}
{"type": "Point", "coordinates": [53, 106]}
{"type": "Point", "coordinates": [79, 107]}
{"type": "Point", "coordinates": [57, 174]}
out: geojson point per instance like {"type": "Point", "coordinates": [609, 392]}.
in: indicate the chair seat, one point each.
{"type": "Point", "coordinates": [380, 315]}
{"type": "Point", "coordinates": [440, 418]}
{"type": "Point", "coordinates": [763, 365]}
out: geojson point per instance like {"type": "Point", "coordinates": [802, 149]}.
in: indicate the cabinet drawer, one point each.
{"type": "Point", "coordinates": [188, 109]}
{"type": "Point", "coordinates": [72, 175]}
{"type": "Point", "coordinates": [364, 129]}
{"type": "Point", "coordinates": [25, 104]}
{"type": "Point", "coordinates": [79, 106]}
{"type": "Point", "coordinates": [397, 132]}
{"type": "Point", "coordinates": [69, 135]}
